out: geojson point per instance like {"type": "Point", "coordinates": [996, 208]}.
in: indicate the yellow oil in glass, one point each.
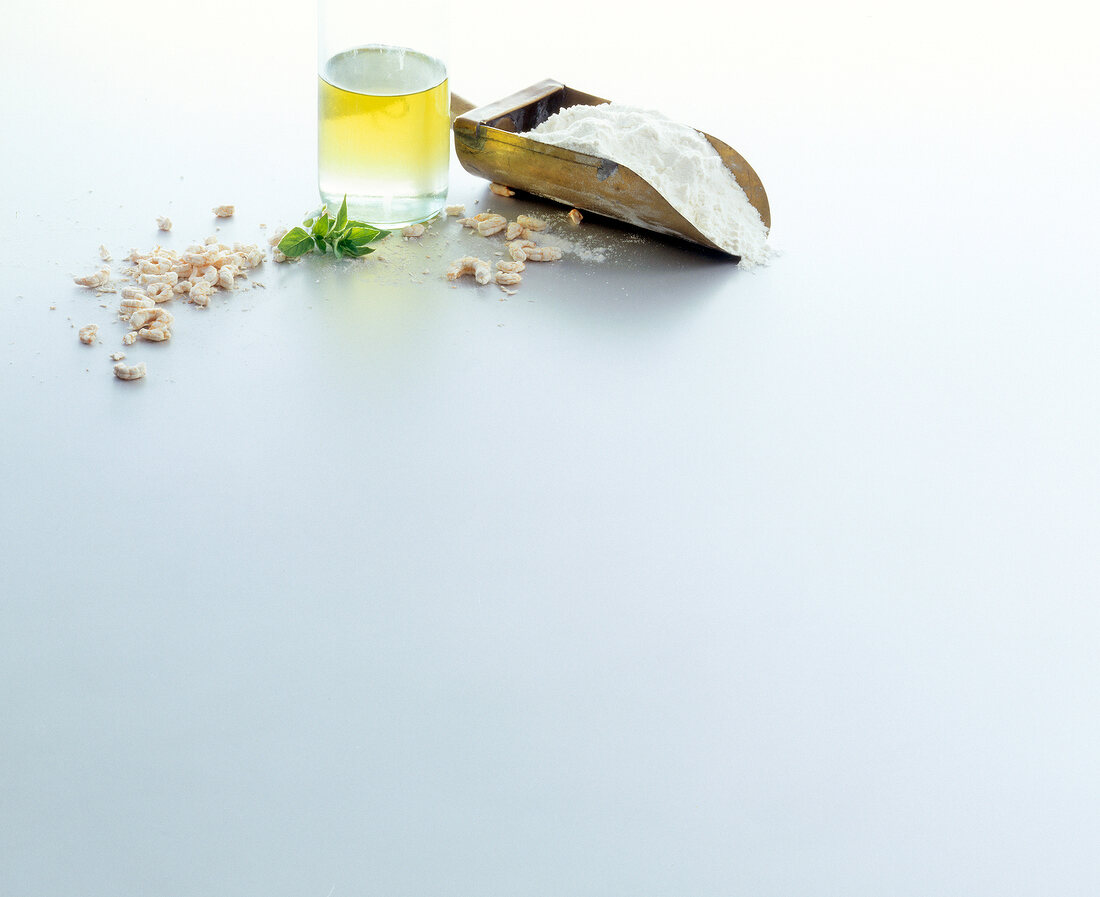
{"type": "Point", "coordinates": [383, 134]}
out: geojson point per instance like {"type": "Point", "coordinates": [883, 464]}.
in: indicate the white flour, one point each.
{"type": "Point", "coordinates": [676, 159]}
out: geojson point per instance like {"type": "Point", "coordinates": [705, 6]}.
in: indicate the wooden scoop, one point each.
{"type": "Point", "coordinates": [490, 144]}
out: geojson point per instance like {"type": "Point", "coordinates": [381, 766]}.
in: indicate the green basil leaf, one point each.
{"type": "Point", "coordinates": [379, 233]}
{"type": "Point", "coordinates": [296, 243]}
{"type": "Point", "coordinates": [342, 236]}
{"type": "Point", "coordinates": [362, 234]}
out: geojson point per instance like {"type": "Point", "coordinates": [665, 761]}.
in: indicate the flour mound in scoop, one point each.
{"type": "Point", "coordinates": [676, 160]}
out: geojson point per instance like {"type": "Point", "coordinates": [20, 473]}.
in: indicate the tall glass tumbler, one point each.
{"type": "Point", "coordinates": [383, 110]}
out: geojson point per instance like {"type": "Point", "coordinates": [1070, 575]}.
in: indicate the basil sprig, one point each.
{"type": "Point", "coordinates": [341, 236]}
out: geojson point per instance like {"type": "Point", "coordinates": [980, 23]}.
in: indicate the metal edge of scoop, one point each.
{"type": "Point", "coordinates": [488, 146]}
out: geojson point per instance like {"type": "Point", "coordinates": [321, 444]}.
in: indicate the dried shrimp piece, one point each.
{"type": "Point", "coordinates": [516, 231]}
{"type": "Point", "coordinates": [88, 333]}
{"type": "Point", "coordinates": [531, 223]}
{"type": "Point", "coordinates": [493, 224]}
{"type": "Point", "coordinates": [575, 217]}
{"type": "Point", "coordinates": [170, 279]}
{"type": "Point", "coordinates": [517, 249]}
{"type": "Point", "coordinates": [455, 211]}
{"type": "Point", "coordinates": [511, 267]}
{"type": "Point", "coordinates": [161, 292]}
{"type": "Point", "coordinates": [129, 305]}
{"type": "Point", "coordinates": [508, 277]}
{"type": "Point", "coordinates": [477, 219]}
{"type": "Point", "coordinates": [543, 254]}
{"type": "Point", "coordinates": [130, 338]}
{"type": "Point", "coordinates": [155, 266]}
{"type": "Point", "coordinates": [223, 211]}
{"type": "Point", "coordinates": [164, 223]}
{"type": "Point", "coordinates": [97, 279]}
{"type": "Point", "coordinates": [117, 356]}
{"type": "Point", "coordinates": [104, 253]}
{"type": "Point", "coordinates": [501, 190]}
{"type": "Point", "coordinates": [155, 334]}
{"type": "Point", "coordinates": [470, 265]}
{"type": "Point", "coordinates": [200, 293]}
{"type": "Point", "coordinates": [413, 230]}
{"type": "Point", "coordinates": [143, 317]}
{"type": "Point", "coordinates": [130, 371]}
{"type": "Point", "coordinates": [133, 293]}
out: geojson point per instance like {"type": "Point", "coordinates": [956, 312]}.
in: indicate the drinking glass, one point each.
{"type": "Point", "coordinates": [383, 110]}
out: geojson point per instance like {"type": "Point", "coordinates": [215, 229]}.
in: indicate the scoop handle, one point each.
{"type": "Point", "coordinates": [459, 106]}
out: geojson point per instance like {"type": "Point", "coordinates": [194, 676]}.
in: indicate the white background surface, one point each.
{"type": "Point", "coordinates": [659, 578]}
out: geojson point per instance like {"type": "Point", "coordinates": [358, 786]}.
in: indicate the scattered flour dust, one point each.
{"type": "Point", "coordinates": [397, 261]}
{"type": "Point", "coordinates": [676, 159]}
{"type": "Point", "coordinates": [576, 248]}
